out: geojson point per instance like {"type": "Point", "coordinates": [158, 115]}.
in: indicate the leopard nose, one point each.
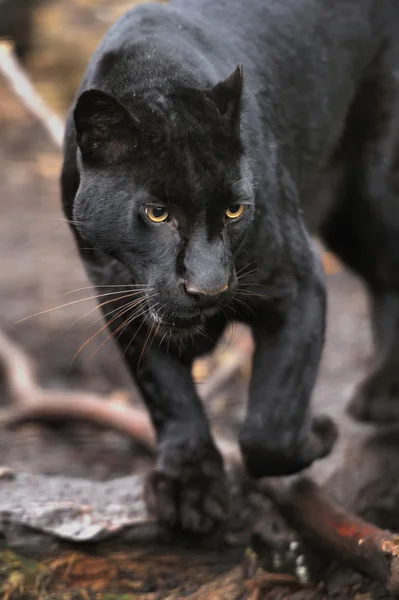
{"type": "Point", "coordinates": [194, 290]}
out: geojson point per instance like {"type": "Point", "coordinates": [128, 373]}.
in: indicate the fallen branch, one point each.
{"type": "Point", "coordinates": [31, 402]}
{"type": "Point", "coordinates": [341, 534]}
{"type": "Point", "coordinates": [19, 81]}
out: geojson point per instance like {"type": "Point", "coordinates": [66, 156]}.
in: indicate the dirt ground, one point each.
{"type": "Point", "coordinates": [39, 270]}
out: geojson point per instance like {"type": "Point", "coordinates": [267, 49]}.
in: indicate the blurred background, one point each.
{"type": "Point", "coordinates": [55, 38]}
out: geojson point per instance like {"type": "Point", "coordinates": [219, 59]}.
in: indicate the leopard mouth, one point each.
{"type": "Point", "coordinates": [176, 323]}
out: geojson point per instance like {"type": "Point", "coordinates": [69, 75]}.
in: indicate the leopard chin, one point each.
{"type": "Point", "coordinates": [175, 326]}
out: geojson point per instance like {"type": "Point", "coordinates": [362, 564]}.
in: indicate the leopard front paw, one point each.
{"type": "Point", "coordinates": [193, 497]}
{"type": "Point", "coordinates": [278, 452]}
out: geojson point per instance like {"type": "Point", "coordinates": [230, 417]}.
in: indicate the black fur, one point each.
{"type": "Point", "coordinates": [304, 134]}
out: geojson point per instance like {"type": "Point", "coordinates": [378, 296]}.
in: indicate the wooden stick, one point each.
{"type": "Point", "coordinates": [341, 534]}
{"type": "Point", "coordinates": [19, 81]}
{"type": "Point", "coordinates": [32, 402]}
{"type": "Point", "coordinates": [54, 405]}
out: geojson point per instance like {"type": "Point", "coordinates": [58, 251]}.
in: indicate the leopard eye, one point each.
{"type": "Point", "coordinates": [156, 214]}
{"type": "Point", "coordinates": [235, 210]}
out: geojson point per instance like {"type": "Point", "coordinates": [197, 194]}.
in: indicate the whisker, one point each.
{"type": "Point", "coordinates": [232, 308]}
{"type": "Point", "coordinates": [63, 219]}
{"type": "Point", "coordinates": [162, 338]}
{"type": "Point", "coordinates": [122, 326]}
{"type": "Point", "coordinates": [120, 329]}
{"type": "Point", "coordinates": [93, 287]}
{"type": "Point", "coordinates": [48, 310]}
{"type": "Point", "coordinates": [193, 340]}
{"type": "Point", "coordinates": [183, 343]}
{"type": "Point", "coordinates": [233, 330]}
{"type": "Point", "coordinates": [41, 237]}
{"type": "Point", "coordinates": [252, 294]}
{"type": "Point", "coordinates": [131, 305]}
{"type": "Point", "coordinates": [102, 315]}
{"type": "Point", "coordinates": [155, 333]}
{"type": "Point", "coordinates": [138, 311]}
{"type": "Point", "coordinates": [168, 344]}
{"type": "Point", "coordinates": [202, 331]}
{"type": "Point", "coordinates": [137, 314]}
{"type": "Point", "coordinates": [246, 267]}
{"type": "Point", "coordinates": [159, 310]}
{"type": "Point", "coordinates": [93, 336]}
{"type": "Point", "coordinates": [146, 342]}
{"type": "Point", "coordinates": [134, 337]}
{"type": "Point", "coordinates": [244, 304]}
{"type": "Point", "coordinates": [121, 309]}
{"type": "Point", "coordinates": [243, 275]}
{"type": "Point", "coordinates": [244, 285]}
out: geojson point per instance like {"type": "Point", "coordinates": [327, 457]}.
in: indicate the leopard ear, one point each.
{"type": "Point", "coordinates": [105, 130]}
{"type": "Point", "coordinates": [227, 94]}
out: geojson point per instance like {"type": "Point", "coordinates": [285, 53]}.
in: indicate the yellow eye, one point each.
{"type": "Point", "coordinates": [156, 214]}
{"type": "Point", "coordinates": [235, 210]}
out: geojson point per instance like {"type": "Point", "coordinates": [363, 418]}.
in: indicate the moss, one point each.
{"type": "Point", "coordinates": [116, 596]}
{"type": "Point", "coordinates": [19, 577]}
